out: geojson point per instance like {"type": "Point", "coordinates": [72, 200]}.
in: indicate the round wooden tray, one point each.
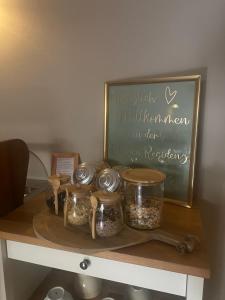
{"type": "Point", "coordinates": [50, 227]}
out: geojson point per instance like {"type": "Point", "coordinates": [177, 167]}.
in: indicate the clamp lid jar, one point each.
{"type": "Point", "coordinates": [144, 191]}
{"type": "Point", "coordinates": [108, 180]}
{"type": "Point", "coordinates": [106, 214]}
{"type": "Point", "coordinates": [77, 205]}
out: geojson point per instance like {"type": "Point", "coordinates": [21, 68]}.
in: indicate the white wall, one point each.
{"type": "Point", "coordinates": [12, 285]}
{"type": "Point", "coordinates": [56, 55]}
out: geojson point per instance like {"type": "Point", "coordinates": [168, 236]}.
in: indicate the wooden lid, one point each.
{"type": "Point", "coordinates": [79, 190]}
{"type": "Point", "coordinates": [143, 176]}
{"type": "Point", "coordinates": [61, 178]}
{"type": "Point", "coordinates": [107, 197]}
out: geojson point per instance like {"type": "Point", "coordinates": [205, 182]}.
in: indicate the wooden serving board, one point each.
{"type": "Point", "coordinates": [50, 227]}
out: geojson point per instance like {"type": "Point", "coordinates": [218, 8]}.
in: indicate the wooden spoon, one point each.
{"type": "Point", "coordinates": [94, 204]}
{"type": "Point", "coordinates": [55, 182]}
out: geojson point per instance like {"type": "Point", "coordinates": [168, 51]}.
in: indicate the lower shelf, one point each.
{"type": "Point", "coordinates": [111, 289]}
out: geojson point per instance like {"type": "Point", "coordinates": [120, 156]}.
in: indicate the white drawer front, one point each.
{"type": "Point", "coordinates": [151, 278]}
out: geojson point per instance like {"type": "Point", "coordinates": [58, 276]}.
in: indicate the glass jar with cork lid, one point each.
{"type": "Point", "coordinates": [106, 218]}
{"type": "Point", "coordinates": [144, 191]}
{"type": "Point", "coordinates": [77, 205]}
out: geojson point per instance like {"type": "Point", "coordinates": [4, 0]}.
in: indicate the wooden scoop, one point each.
{"type": "Point", "coordinates": [55, 183]}
{"type": "Point", "coordinates": [65, 209]}
{"type": "Point", "coordinates": [94, 204]}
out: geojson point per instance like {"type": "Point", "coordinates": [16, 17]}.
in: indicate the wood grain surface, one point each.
{"type": "Point", "coordinates": [78, 238]}
{"type": "Point", "coordinates": [18, 226]}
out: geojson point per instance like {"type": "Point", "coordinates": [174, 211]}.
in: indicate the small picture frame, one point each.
{"type": "Point", "coordinates": [64, 163]}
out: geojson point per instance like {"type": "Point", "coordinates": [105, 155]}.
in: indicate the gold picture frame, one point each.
{"type": "Point", "coordinates": [132, 120]}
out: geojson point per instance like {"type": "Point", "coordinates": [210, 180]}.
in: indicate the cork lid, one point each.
{"type": "Point", "coordinates": [63, 179]}
{"type": "Point", "coordinates": [143, 176]}
{"type": "Point", "coordinates": [107, 197]}
{"type": "Point", "coordinates": [79, 190]}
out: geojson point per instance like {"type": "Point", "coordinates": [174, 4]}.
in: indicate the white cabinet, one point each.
{"type": "Point", "coordinates": [155, 279]}
{"type": "Point", "coordinates": [152, 265]}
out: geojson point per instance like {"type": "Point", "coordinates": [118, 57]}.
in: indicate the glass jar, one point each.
{"type": "Point", "coordinates": [58, 184]}
{"type": "Point", "coordinates": [144, 190]}
{"type": "Point", "coordinates": [87, 172]}
{"type": "Point", "coordinates": [108, 180]}
{"type": "Point", "coordinates": [50, 200]}
{"type": "Point", "coordinates": [106, 218]}
{"type": "Point", "coordinates": [77, 205]}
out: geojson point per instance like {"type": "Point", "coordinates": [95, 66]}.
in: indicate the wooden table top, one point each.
{"type": "Point", "coordinates": [18, 226]}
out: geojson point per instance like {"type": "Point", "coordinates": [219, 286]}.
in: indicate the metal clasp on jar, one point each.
{"type": "Point", "coordinates": [108, 180]}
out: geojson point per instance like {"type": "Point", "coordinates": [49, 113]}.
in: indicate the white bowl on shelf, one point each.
{"type": "Point", "coordinates": [87, 287]}
{"type": "Point", "coordinates": [58, 293]}
{"type": "Point", "coordinates": [138, 293]}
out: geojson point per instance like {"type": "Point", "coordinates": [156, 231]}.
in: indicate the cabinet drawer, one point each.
{"type": "Point", "coordinates": [151, 278]}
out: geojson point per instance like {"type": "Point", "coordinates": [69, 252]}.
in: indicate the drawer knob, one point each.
{"type": "Point", "coordinates": [85, 264]}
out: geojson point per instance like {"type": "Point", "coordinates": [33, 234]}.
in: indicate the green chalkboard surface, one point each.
{"type": "Point", "coordinates": [154, 124]}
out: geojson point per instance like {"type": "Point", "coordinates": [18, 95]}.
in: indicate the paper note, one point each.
{"type": "Point", "coordinates": [65, 165]}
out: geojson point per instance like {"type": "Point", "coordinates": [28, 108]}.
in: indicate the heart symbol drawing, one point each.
{"type": "Point", "coordinates": [169, 95]}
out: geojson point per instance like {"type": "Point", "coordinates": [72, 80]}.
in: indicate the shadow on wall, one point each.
{"type": "Point", "coordinates": [202, 109]}
{"type": "Point", "coordinates": [213, 211]}
{"type": "Point", "coordinates": [209, 193]}
{"type": "Point", "coordinates": [58, 145]}
{"type": "Point", "coordinates": [196, 71]}
{"type": "Point", "coordinates": [43, 152]}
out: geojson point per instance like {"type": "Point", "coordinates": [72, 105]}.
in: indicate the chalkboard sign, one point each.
{"type": "Point", "coordinates": [154, 124]}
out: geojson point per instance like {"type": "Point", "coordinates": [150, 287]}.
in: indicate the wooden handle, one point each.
{"type": "Point", "coordinates": [55, 183]}
{"type": "Point", "coordinates": [65, 208]}
{"type": "Point", "coordinates": [184, 244]}
{"type": "Point", "coordinates": [56, 202]}
{"type": "Point", "coordinates": [94, 204]}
